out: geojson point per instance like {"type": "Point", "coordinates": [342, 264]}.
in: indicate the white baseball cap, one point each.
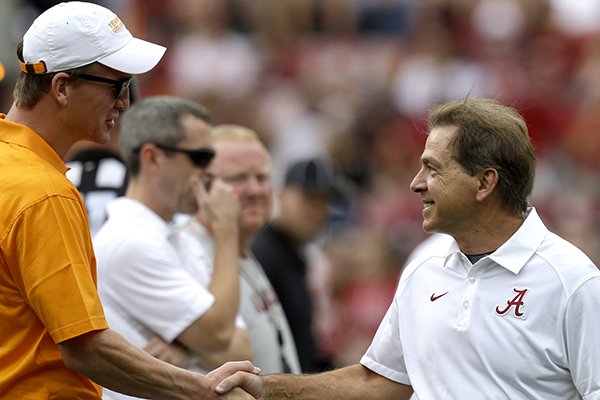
{"type": "Point", "coordinates": [74, 34]}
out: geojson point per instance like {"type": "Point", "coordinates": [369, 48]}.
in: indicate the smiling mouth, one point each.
{"type": "Point", "coordinates": [427, 204]}
{"type": "Point", "coordinates": [253, 207]}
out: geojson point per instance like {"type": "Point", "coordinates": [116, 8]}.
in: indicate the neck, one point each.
{"type": "Point", "coordinates": [139, 192]}
{"type": "Point", "coordinates": [289, 231]}
{"type": "Point", "coordinates": [489, 233]}
{"type": "Point", "coordinates": [37, 119]}
{"type": "Point", "coordinates": [246, 238]}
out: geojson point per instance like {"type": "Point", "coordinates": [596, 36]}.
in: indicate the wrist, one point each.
{"type": "Point", "coordinates": [224, 227]}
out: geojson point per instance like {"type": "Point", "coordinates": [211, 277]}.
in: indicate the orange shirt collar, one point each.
{"type": "Point", "coordinates": [22, 135]}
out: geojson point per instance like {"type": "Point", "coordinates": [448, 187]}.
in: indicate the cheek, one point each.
{"type": "Point", "coordinates": [269, 199]}
{"type": "Point", "coordinates": [446, 186]}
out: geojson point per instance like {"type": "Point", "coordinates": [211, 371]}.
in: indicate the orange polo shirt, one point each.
{"type": "Point", "coordinates": [47, 271]}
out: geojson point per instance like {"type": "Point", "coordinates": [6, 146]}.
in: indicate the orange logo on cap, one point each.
{"type": "Point", "coordinates": [116, 25]}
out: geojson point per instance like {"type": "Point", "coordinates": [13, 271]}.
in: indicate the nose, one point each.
{"type": "Point", "coordinates": [418, 183]}
{"type": "Point", "coordinates": [123, 102]}
{"type": "Point", "coordinates": [255, 186]}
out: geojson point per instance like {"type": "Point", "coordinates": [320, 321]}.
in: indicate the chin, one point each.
{"type": "Point", "coordinates": [429, 227]}
{"type": "Point", "coordinates": [190, 209]}
{"type": "Point", "coordinates": [254, 215]}
{"type": "Point", "coordinates": [254, 224]}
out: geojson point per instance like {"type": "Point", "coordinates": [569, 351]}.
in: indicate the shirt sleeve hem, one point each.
{"type": "Point", "coordinates": [395, 376]}
{"type": "Point", "coordinates": [78, 329]}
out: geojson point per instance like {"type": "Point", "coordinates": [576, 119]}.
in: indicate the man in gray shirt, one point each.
{"type": "Point", "coordinates": [243, 162]}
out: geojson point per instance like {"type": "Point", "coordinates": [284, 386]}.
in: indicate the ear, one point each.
{"type": "Point", "coordinates": [58, 87]}
{"type": "Point", "coordinates": [150, 159]}
{"type": "Point", "coordinates": [488, 180]}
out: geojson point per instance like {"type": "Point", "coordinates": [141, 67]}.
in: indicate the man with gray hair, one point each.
{"type": "Point", "coordinates": [154, 279]}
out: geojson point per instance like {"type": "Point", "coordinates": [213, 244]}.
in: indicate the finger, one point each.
{"type": "Point", "coordinates": [231, 367]}
{"type": "Point", "coordinates": [249, 382]}
{"type": "Point", "coordinates": [240, 394]}
{"type": "Point", "coordinates": [242, 366]}
{"type": "Point", "coordinates": [152, 345]}
{"type": "Point", "coordinates": [200, 193]}
{"type": "Point", "coordinates": [197, 185]}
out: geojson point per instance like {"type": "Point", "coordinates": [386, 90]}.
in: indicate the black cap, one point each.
{"type": "Point", "coordinates": [312, 176]}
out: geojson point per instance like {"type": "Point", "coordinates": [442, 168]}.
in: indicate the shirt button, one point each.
{"type": "Point", "coordinates": [472, 279]}
{"type": "Point", "coordinates": [466, 305]}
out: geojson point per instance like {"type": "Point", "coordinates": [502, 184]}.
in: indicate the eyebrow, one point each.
{"type": "Point", "coordinates": [428, 161]}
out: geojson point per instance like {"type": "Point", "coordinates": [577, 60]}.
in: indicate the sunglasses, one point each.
{"type": "Point", "coordinates": [201, 157]}
{"type": "Point", "coordinates": [119, 87]}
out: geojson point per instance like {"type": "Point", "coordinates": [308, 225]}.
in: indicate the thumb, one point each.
{"type": "Point", "coordinates": [251, 383]}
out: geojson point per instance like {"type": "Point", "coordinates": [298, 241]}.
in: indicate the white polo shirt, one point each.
{"type": "Point", "coordinates": [521, 323]}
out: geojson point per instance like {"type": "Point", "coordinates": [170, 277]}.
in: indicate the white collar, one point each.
{"type": "Point", "coordinates": [523, 244]}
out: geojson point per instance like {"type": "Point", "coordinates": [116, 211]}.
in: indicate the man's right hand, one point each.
{"type": "Point", "coordinates": [251, 383]}
{"type": "Point", "coordinates": [232, 374]}
{"type": "Point", "coordinates": [219, 206]}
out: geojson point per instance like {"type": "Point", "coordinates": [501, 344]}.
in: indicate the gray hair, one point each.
{"type": "Point", "coordinates": [155, 119]}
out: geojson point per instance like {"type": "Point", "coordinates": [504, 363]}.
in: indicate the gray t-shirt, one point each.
{"type": "Point", "coordinates": [267, 327]}
{"type": "Point", "coordinates": [266, 324]}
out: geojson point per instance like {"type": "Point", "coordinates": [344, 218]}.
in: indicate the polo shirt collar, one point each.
{"type": "Point", "coordinates": [522, 245]}
{"type": "Point", "coordinates": [22, 135]}
{"type": "Point", "coordinates": [518, 249]}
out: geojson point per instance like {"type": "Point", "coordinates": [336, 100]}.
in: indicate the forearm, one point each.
{"type": "Point", "coordinates": [214, 330]}
{"type": "Point", "coordinates": [109, 360]}
{"type": "Point", "coordinates": [173, 353]}
{"type": "Point", "coordinates": [225, 281]}
{"type": "Point", "coordinates": [240, 349]}
{"type": "Point", "coordinates": [354, 382]}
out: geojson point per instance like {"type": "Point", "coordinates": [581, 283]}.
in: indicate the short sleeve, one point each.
{"type": "Point", "coordinates": [581, 327]}
{"type": "Point", "coordinates": [51, 259]}
{"type": "Point", "coordinates": [153, 284]}
{"type": "Point", "coordinates": [385, 356]}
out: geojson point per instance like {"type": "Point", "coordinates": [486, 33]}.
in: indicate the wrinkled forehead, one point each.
{"type": "Point", "coordinates": [439, 141]}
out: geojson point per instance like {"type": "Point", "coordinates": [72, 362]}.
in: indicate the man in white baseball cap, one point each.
{"type": "Point", "coordinates": [77, 61]}
{"type": "Point", "coordinates": [74, 34]}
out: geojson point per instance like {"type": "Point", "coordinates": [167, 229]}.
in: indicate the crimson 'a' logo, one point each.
{"type": "Point", "coordinates": [516, 302]}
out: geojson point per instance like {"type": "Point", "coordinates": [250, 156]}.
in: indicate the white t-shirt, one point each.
{"type": "Point", "coordinates": [152, 278]}
{"type": "Point", "coordinates": [519, 324]}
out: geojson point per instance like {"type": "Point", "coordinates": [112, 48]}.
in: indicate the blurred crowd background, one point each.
{"type": "Point", "coordinates": [352, 80]}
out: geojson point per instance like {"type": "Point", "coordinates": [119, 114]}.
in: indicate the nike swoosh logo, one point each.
{"type": "Point", "coordinates": [434, 297]}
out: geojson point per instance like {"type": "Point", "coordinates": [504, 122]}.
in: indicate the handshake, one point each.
{"type": "Point", "coordinates": [237, 380]}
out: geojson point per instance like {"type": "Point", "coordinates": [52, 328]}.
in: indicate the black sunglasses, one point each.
{"type": "Point", "coordinates": [119, 87]}
{"type": "Point", "coordinates": [199, 157]}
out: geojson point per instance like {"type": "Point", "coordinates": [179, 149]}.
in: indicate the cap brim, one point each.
{"type": "Point", "coordinates": [136, 57]}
